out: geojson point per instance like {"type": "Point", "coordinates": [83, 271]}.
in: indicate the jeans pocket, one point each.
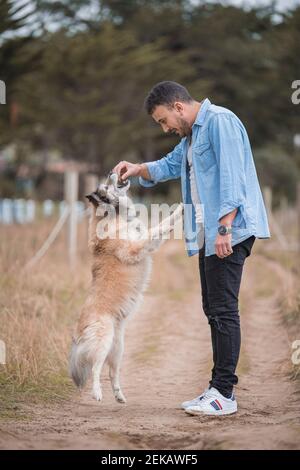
{"type": "Point", "coordinates": [248, 244]}
{"type": "Point", "coordinates": [238, 256]}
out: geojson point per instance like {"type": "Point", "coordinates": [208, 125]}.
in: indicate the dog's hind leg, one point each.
{"type": "Point", "coordinates": [100, 357]}
{"type": "Point", "coordinates": [114, 361]}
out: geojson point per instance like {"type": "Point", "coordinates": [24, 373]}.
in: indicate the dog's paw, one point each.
{"type": "Point", "coordinates": [97, 394]}
{"type": "Point", "coordinates": [120, 397]}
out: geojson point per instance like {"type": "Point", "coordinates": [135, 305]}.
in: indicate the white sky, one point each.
{"type": "Point", "coordinates": [282, 4]}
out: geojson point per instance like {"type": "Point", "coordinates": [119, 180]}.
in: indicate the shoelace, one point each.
{"type": "Point", "coordinates": [208, 397]}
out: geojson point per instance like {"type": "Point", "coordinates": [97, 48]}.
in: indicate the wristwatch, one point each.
{"type": "Point", "coordinates": [224, 230]}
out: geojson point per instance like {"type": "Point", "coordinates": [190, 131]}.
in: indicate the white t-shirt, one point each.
{"type": "Point", "coordinates": [194, 192]}
{"type": "Point", "coordinates": [195, 198]}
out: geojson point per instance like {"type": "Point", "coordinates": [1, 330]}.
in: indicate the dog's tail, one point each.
{"type": "Point", "coordinates": [79, 363]}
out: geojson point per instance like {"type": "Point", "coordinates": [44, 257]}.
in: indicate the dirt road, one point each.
{"type": "Point", "coordinates": [168, 360]}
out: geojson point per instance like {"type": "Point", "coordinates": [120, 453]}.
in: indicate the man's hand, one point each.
{"type": "Point", "coordinates": [223, 245]}
{"type": "Point", "coordinates": [125, 169]}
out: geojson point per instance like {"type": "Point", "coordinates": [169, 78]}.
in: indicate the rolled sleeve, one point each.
{"type": "Point", "coordinates": [155, 172]}
{"type": "Point", "coordinates": [168, 167]}
{"type": "Point", "coordinates": [227, 142]}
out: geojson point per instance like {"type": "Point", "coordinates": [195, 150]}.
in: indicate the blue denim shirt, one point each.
{"type": "Point", "coordinates": [225, 176]}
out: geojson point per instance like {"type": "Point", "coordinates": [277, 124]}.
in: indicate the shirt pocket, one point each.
{"type": "Point", "coordinates": [204, 155]}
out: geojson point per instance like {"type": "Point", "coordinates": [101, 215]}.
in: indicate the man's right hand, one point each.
{"type": "Point", "coordinates": [125, 169]}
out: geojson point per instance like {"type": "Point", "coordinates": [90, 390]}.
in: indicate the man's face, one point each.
{"type": "Point", "coordinates": [172, 120]}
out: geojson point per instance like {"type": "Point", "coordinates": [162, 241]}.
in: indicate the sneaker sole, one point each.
{"type": "Point", "coordinates": [185, 407]}
{"type": "Point", "coordinates": [210, 413]}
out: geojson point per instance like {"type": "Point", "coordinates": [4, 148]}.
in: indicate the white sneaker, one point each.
{"type": "Point", "coordinates": [195, 401]}
{"type": "Point", "coordinates": [213, 403]}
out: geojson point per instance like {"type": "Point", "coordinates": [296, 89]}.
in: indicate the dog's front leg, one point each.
{"type": "Point", "coordinates": [132, 252]}
{"type": "Point", "coordinates": [164, 229]}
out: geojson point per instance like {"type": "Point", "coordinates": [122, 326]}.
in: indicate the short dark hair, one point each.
{"type": "Point", "coordinates": [166, 93]}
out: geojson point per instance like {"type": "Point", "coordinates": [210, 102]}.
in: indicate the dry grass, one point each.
{"type": "Point", "coordinates": [290, 307]}
{"type": "Point", "coordinates": [38, 309]}
{"type": "Point", "coordinates": [289, 298]}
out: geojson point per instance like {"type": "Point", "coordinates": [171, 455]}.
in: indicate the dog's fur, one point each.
{"type": "Point", "coordinates": [121, 270]}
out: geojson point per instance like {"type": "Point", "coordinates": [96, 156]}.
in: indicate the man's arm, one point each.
{"type": "Point", "coordinates": [228, 219]}
{"type": "Point", "coordinates": [125, 169]}
{"type": "Point", "coordinates": [150, 173]}
{"type": "Point", "coordinates": [144, 173]}
{"type": "Point", "coordinates": [223, 242]}
{"type": "Point", "coordinates": [227, 142]}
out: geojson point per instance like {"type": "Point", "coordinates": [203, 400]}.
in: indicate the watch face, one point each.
{"type": "Point", "coordinates": [222, 230]}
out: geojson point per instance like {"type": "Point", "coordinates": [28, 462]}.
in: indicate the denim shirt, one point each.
{"type": "Point", "coordinates": [225, 175]}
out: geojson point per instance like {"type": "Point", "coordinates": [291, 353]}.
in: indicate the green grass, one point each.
{"type": "Point", "coordinates": [50, 388]}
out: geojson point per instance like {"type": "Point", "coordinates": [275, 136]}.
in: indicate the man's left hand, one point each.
{"type": "Point", "coordinates": [223, 245]}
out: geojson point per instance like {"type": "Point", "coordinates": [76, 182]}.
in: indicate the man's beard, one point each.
{"type": "Point", "coordinates": [184, 128]}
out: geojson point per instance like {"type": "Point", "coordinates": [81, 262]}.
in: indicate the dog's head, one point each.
{"type": "Point", "coordinates": [109, 192]}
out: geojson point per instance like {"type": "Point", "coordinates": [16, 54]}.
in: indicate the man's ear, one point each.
{"type": "Point", "coordinates": [178, 106]}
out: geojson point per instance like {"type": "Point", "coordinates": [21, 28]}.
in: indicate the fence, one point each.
{"type": "Point", "coordinates": [22, 211]}
{"type": "Point", "coordinates": [72, 211]}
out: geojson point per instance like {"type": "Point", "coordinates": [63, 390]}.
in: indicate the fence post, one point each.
{"type": "Point", "coordinates": [71, 196]}
{"type": "Point", "coordinates": [268, 199]}
{"type": "Point", "coordinates": [267, 193]}
{"type": "Point", "coordinates": [90, 183]}
{"type": "Point", "coordinates": [298, 224]}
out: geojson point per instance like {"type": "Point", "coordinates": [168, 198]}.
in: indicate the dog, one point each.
{"type": "Point", "coordinates": [121, 271]}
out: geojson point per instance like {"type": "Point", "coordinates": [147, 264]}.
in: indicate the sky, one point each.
{"type": "Point", "coordinates": [282, 4]}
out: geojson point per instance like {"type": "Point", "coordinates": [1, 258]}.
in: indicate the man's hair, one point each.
{"type": "Point", "coordinates": [166, 93]}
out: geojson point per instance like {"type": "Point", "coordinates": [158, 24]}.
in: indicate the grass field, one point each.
{"type": "Point", "coordinates": [39, 307]}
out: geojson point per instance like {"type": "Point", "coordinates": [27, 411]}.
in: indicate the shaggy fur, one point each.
{"type": "Point", "coordinates": [121, 270]}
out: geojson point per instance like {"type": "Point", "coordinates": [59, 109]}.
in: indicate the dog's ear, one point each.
{"type": "Point", "coordinates": [94, 199]}
{"type": "Point", "coordinates": [114, 179]}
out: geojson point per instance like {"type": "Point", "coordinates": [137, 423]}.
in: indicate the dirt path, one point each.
{"type": "Point", "coordinates": [168, 360]}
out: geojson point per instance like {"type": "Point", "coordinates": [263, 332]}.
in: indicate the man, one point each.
{"type": "Point", "coordinates": [215, 163]}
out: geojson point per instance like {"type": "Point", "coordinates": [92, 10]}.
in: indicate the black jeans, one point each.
{"type": "Point", "coordinates": [220, 283]}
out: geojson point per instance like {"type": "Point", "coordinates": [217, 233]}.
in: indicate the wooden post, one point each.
{"type": "Point", "coordinates": [298, 224]}
{"type": "Point", "coordinates": [90, 183]}
{"type": "Point", "coordinates": [2, 92]}
{"type": "Point", "coordinates": [268, 199]}
{"type": "Point", "coordinates": [2, 352]}
{"type": "Point", "coordinates": [275, 227]}
{"type": "Point", "coordinates": [283, 212]}
{"type": "Point", "coordinates": [71, 196]}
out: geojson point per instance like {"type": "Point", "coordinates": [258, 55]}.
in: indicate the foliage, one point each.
{"type": "Point", "coordinates": [78, 78]}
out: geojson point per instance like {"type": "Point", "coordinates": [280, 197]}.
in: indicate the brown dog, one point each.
{"type": "Point", "coordinates": [121, 270]}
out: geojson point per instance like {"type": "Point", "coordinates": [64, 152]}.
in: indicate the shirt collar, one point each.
{"type": "Point", "coordinates": [202, 112]}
